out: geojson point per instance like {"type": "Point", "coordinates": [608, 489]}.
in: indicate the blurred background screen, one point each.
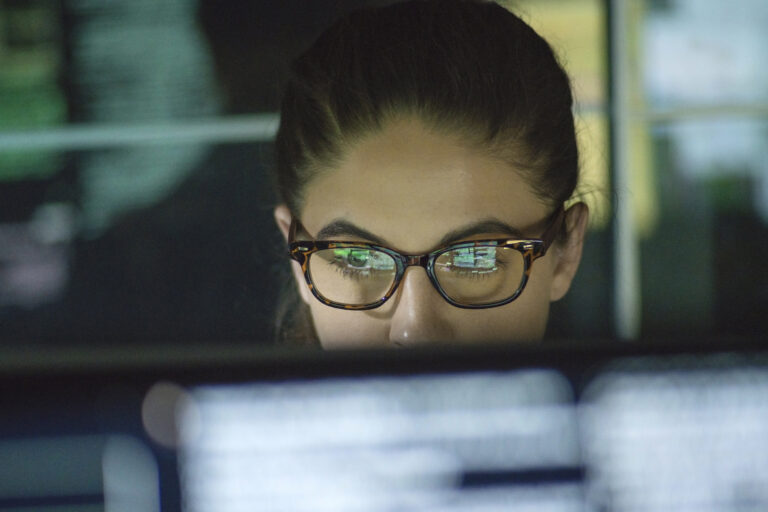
{"type": "Point", "coordinates": [135, 148]}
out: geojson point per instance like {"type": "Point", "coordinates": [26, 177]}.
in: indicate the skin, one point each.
{"type": "Point", "coordinates": [409, 186]}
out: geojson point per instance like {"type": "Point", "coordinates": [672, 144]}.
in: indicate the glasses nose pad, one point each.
{"type": "Point", "coordinates": [423, 262]}
{"type": "Point", "coordinates": [417, 261]}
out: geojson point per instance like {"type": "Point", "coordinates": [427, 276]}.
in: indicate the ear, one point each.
{"type": "Point", "coordinates": [283, 218]}
{"type": "Point", "coordinates": [569, 251]}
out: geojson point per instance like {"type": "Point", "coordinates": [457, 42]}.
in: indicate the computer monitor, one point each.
{"type": "Point", "coordinates": [570, 427]}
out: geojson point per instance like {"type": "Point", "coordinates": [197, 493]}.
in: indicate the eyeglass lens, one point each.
{"type": "Point", "coordinates": [469, 275]}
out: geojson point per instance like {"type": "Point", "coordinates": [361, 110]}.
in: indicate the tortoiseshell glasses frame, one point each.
{"type": "Point", "coordinates": [531, 249]}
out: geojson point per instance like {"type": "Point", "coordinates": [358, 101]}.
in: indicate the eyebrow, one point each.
{"type": "Point", "coordinates": [340, 227]}
{"type": "Point", "coordinates": [476, 228]}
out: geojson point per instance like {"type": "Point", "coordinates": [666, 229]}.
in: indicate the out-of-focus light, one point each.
{"type": "Point", "coordinates": [131, 480]}
{"type": "Point", "coordinates": [160, 411]}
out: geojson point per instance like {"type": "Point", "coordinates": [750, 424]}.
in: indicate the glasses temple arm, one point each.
{"type": "Point", "coordinates": [295, 226]}
{"type": "Point", "coordinates": [553, 228]}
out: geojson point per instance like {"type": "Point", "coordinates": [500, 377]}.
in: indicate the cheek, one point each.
{"type": "Point", "coordinates": [340, 329]}
{"type": "Point", "coordinates": [524, 319]}
{"type": "Point", "coordinates": [521, 320]}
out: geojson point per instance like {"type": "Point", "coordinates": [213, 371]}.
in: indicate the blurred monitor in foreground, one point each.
{"type": "Point", "coordinates": [563, 428]}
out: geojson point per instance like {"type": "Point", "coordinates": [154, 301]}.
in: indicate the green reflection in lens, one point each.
{"type": "Point", "coordinates": [482, 258]}
{"type": "Point", "coordinates": [364, 258]}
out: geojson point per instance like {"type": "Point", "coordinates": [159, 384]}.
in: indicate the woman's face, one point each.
{"type": "Point", "coordinates": [410, 187]}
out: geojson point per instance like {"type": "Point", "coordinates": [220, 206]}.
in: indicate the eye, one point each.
{"type": "Point", "coordinates": [358, 258]}
{"type": "Point", "coordinates": [362, 260]}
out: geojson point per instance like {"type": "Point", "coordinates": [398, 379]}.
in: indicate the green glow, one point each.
{"type": "Point", "coordinates": [364, 259]}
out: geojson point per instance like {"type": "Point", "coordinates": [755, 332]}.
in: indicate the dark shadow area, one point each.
{"type": "Point", "coordinates": [205, 262]}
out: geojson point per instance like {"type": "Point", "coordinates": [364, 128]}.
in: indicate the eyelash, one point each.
{"type": "Point", "coordinates": [475, 275]}
{"type": "Point", "coordinates": [352, 273]}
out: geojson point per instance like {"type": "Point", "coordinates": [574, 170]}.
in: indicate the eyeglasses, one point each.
{"type": "Point", "coordinates": [474, 275]}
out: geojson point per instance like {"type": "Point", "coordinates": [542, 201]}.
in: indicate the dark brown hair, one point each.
{"type": "Point", "coordinates": [464, 67]}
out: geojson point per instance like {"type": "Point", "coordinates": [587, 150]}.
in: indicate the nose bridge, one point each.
{"type": "Point", "coordinates": [419, 261]}
{"type": "Point", "coordinates": [416, 319]}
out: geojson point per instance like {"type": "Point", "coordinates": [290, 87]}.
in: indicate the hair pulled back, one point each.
{"type": "Point", "coordinates": [464, 67]}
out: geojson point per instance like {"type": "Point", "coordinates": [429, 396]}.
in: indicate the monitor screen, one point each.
{"type": "Point", "coordinates": [609, 428]}
{"type": "Point", "coordinates": [477, 441]}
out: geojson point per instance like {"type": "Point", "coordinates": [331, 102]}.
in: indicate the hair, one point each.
{"type": "Point", "coordinates": [462, 67]}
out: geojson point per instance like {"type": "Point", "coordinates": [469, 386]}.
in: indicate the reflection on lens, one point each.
{"type": "Point", "coordinates": [352, 275]}
{"type": "Point", "coordinates": [480, 275]}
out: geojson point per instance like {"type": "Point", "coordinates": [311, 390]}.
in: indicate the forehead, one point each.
{"type": "Point", "coordinates": [410, 186]}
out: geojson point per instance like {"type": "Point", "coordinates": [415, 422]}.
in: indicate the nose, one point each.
{"type": "Point", "coordinates": [417, 317]}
